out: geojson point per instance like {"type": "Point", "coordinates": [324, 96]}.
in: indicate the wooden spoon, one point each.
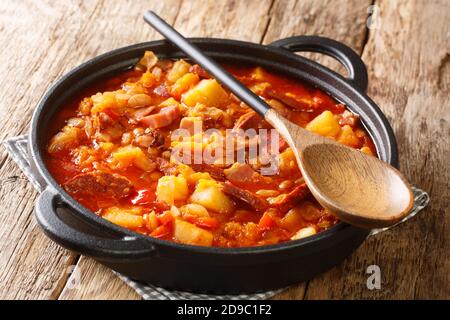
{"type": "Point", "coordinates": [359, 189]}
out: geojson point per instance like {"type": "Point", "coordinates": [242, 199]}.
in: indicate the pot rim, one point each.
{"type": "Point", "coordinates": [90, 217]}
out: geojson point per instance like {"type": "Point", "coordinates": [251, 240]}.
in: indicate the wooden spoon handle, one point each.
{"type": "Point", "coordinates": [297, 137]}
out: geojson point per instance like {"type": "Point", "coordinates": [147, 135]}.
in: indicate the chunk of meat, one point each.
{"type": "Point", "coordinates": [137, 115]}
{"type": "Point", "coordinates": [296, 102]}
{"type": "Point", "coordinates": [286, 201]}
{"type": "Point", "coordinates": [163, 118]}
{"type": "Point", "coordinates": [214, 171]}
{"type": "Point", "coordinates": [98, 182]}
{"type": "Point", "coordinates": [165, 166]}
{"type": "Point", "coordinates": [202, 73]}
{"type": "Point", "coordinates": [150, 138]}
{"type": "Point", "coordinates": [236, 234]}
{"type": "Point", "coordinates": [250, 120]}
{"type": "Point", "coordinates": [162, 91]}
{"type": "Point", "coordinates": [257, 203]}
{"type": "Point", "coordinates": [243, 175]}
{"type": "Point", "coordinates": [282, 144]}
{"type": "Point", "coordinates": [106, 119]}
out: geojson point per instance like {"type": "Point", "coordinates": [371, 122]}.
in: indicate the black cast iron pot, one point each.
{"type": "Point", "coordinates": [193, 268]}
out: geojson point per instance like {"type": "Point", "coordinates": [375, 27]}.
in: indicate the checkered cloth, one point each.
{"type": "Point", "coordinates": [17, 148]}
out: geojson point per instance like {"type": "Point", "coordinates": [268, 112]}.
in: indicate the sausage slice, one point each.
{"type": "Point", "coordinates": [99, 183]}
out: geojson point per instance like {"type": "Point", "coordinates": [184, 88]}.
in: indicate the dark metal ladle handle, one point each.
{"type": "Point", "coordinates": [207, 63]}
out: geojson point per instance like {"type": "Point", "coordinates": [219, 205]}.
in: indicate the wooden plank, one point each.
{"type": "Point", "coordinates": [409, 67]}
{"type": "Point", "coordinates": [342, 20]}
{"type": "Point", "coordinates": [31, 266]}
{"type": "Point", "coordinates": [93, 281]}
{"type": "Point", "coordinates": [64, 34]}
{"type": "Point", "coordinates": [241, 20]}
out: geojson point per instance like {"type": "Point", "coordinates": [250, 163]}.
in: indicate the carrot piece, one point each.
{"type": "Point", "coordinates": [166, 218]}
{"type": "Point", "coordinates": [266, 222]}
{"type": "Point", "coordinates": [160, 232]}
{"type": "Point", "coordinates": [144, 196]}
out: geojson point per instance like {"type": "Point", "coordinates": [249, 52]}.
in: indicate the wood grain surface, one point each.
{"type": "Point", "coordinates": [409, 68]}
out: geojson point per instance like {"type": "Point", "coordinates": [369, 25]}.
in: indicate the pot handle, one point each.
{"type": "Point", "coordinates": [106, 249]}
{"type": "Point", "coordinates": [345, 55]}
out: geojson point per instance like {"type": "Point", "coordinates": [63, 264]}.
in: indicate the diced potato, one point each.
{"type": "Point", "coordinates": [259, 74]}
{"type": "Point", "coordinates": [171, 189]}
{"type": "Point", "coordinates": [348, 137]}
{"type": "Point", "coordinates": [148, 60]}
{"type": "Point", "coordinates": [309, 211]}
{"type": "Point", "coordinates": [148, 79]}
{"type": "Point", "coordinates": [106, 146]}
{"type": "Point", "coordinates": [190, 175]}
{"type": "Point", "coordinates": [125, 217]}
{"type": "Point", "coordinates": [194, 209]}
{"type": "Point", "coordinates": [66, 138]}
{"type": "Point", "coordinates": [188, 233]}
{"type": "Point", "coordinates": [179, 69]}
{"type": "Point", "coordinates": [103, 101]}
{"type": "Point", "coordinates": [208, 92]}
{"type": "Point", "coordinates": [292, 220]}
{"type": "Point", "coordinates": [184, 83]}
{"type": "Point", "coordinates": [324, 124]}
{"type": "Point", "coordinates": [287, 163]}
{"type": "Point", "coordinates": [126, 156]}
{"type": "Point", "coordinates": [185, 170]}
{"type": "Point", "coordinates": [196, 176]}
{"type": "Point", "coordinates": [191, 124]}
{"type": "Point", "coordinates": [303, 233]}
{"type": "Point", "coordinates": [208, 194]}
{"type": "Point", "coordinates": [142, 162]}
{"type": "Point", "coordinates": [169, 102]}
{"type": "Point", "coordinates": [174, 211]}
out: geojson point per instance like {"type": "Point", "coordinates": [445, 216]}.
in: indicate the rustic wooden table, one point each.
{"type": "Point", "coordinates": [406, 50]}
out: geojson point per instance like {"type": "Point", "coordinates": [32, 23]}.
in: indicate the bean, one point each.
{"type": "Point", "coordinates": [139, 100]}
{"type": "Point", "coordinates": [267, 193]}
{"type": "Point", "coordinates": [285, 184]}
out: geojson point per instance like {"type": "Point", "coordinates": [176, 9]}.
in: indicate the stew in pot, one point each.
{"type": "Point", "coordinates": [166, 151]}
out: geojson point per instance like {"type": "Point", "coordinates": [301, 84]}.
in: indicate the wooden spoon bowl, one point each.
{"type": "Point", "coordinates": [358, 188]}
